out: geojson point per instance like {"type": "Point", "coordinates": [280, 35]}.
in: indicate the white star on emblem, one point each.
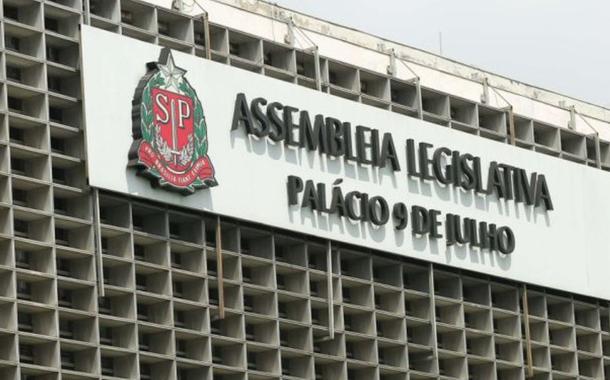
{"type": "Point", "coordinates": [171, 72]}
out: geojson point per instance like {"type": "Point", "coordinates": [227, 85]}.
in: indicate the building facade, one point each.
{"type": "Point", "coordinates": [106, 277]}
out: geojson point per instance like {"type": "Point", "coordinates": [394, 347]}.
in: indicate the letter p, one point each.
{"type": "Point", "coordinates": [295, 186]}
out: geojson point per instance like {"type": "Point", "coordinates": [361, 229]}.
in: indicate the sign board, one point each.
{"type": "Point", "coordinates": [175, 128]}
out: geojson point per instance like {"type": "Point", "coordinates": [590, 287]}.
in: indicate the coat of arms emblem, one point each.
{"type": "Point", "coordinates": [170, 144]}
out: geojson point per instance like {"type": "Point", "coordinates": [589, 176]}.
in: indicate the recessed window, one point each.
{"type": "Point", "coordinates": [246, 274]}
{"type": "Point", "coordinates": [282, 310]}
{"type": "Point", "coordinates": [250, 331]}
{"type": "Point", "coordinates": [178, 289]}
{"type": "Point", "coordinates": [14, 73]}
{"type": "Point", "coordinates": [67, 360]}
{"type": "Point", "coordinates": [63, 266]}
{"type": "Point", "coordinates": [181, 348]}
{"type": "Point", "coordinates": [22, 259]}
{"type": "Point", "coordinates": [107, 366]}
{"type": "Point", "coordinates": [143, 342]}
{"type": "Point", "coordinates": [211, 267]}
{"type": "Point", "coordinates": [213, 296]}
{"type": "Point", "coordinates": [107, 275]}
{"type": "Point", "coordinates": [21, 228]}
{"type": "Point", "coordinates": [145, 371]}
{"type": "Point", "coordinates": [13, 43]}
{"type": "Point", "coordinates": [20, 197]}
{"type": "Point", "coordinates": [104, 244]}
{"type": "Point", "coordinates": [64, 297]}
{"type": "Point", "coordinates": [141, 281]}
{"type": "Point", "coordinates": [139, 252]}
{"type": "Point", "coordinates": [11, 12]}
{"type": "Point", "coordinates": [234, 48]}
{"type": "Point", "coordinates": [364, 87]}
{"type": "Point", "coordinates": [176, 260]}
{"type": "Point", "coordinates": [300, 67]}
{"type": "Point", "coordinates": [26, 353]}
{"type": "Point", "coordinates": [138, 222]}
{"type": "Point", "coordinates": [54, 84]}
{"type": "Point", "coordinates": [210, 238]}
{"type": "Point", "coordinates": [66, 329]}
{"type": "Point", "coordinates": [15, 104]}
{"type": "Point", "coordinates": [252, 361]}
{"type": "Point", "coordinates": [51, 24]}
{"type": "Point", "coordinates": [56, 114]}
{"type": "Point", "coordinates": [179, 318]}
{"type": "Point", "coordinates": [59, 175]}
{"type": "Point", "coordinates": [163, 27]}
{"type": "Point", "coordinates": [18, 166]}
{"type": "Point", "coordinates": [106, 335]}
{"type": "Point", "coordinates": [61, 205]}
{"type": "Point", "coordinates": [104, 305]}
{"type": "Point", "coordinates": [315, 316]}
{"type": "Point", "coordinates": [248, 303]}
{"type": "Point", "coordinates": [126, 16]}
{"type": "Point", "coordinates": [58, 145]}
{"type": "Point", "coordinates": [62, 236]}
{"type": "Point", "coordinates": [53, 53]}
{"type": "Point", "coordinates": [24, 322]}
{"type": "Point", "coordinates": [24, 290]}
{"type": "Point", "coordinates": [142, 312]}
{"type": "Point", "coordinates": [200, 39]}
{"type": "Point", "coordinates": [174, 230]}
{"type": "Point", "coordinates": [16, 135]}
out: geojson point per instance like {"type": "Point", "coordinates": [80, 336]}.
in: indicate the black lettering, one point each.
{"type": "Point", "coordinates": [456, 168]}
{"type": "Point", "coordinates": [508, 181]}
{"type": "Point", "coordinates": [260, 117]}
{"type": "Point", "coordinates": [295, 186]}
{"type": "Point", "coordinates": [388, 153]}
{"type": "Point", "coordinates": [379, 210]}
{"type": "Point", "coordinates": [337, 203]}
{"type": "Point", "coordinates": [321, 188]}
{"type": "Point", "coordinates": [334, 129]}
{"type": "Point", "coordinates": [310, 196]}
{"type": "Point", "coordinates": [487, 234]}
{"type": "Point", "coordinates": [424, 161]}
{"type": "Point", "coordinates": [364, 207]}
{"type": "Point", "coordinates": [350, 205]}
{"type": "Point", "coordinates": [443, 176]}
{"type": "Point", "coordinates": [473, 237]}
{"type": "Point", "coordinates": [419, 220]}
{"type": "Point", "coordinates": [242, 115]}
{"type": "Point", "coordinates": [478, 178]}
{"type": "Point", "coordinates": [434, 224]}
{"type": "Point", "coordinates": [314, 138]}
{"type": "Point", "coordinates": [506, 240]}
{"type": "Point", "coordinates": [411, 160]}
{"type": "Point", "coordinates": [527, 189]}
{"type": "Point", "coordinates": [469, 179]}
{"type": "Point", "coordinates": [290, 126]}
{"type": "Point", "coordinates": [494, 181]}
{"type": "Point", "coordinates": [347, 139]}
{"type": "Point", "coordinates": [362, 145]}
{"type": "Point", "coordinates": [277, 132]}
{"type": "Point", "coordinates": [542, 193]}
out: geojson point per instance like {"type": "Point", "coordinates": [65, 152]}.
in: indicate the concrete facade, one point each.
{"type": "Point", "coordinates": [386, 318]}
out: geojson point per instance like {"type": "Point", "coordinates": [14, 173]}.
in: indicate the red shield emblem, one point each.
{"type": "Point", "coordinates": [173, 114]}
{"type": "Point", "coordinates": [170, 133]}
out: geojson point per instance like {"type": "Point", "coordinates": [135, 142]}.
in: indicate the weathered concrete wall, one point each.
{"type": "Point", "coordinates": [268, 20]}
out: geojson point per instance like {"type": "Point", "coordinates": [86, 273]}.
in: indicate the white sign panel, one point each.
{"type": "Point", "coordinates": [208, 129]}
